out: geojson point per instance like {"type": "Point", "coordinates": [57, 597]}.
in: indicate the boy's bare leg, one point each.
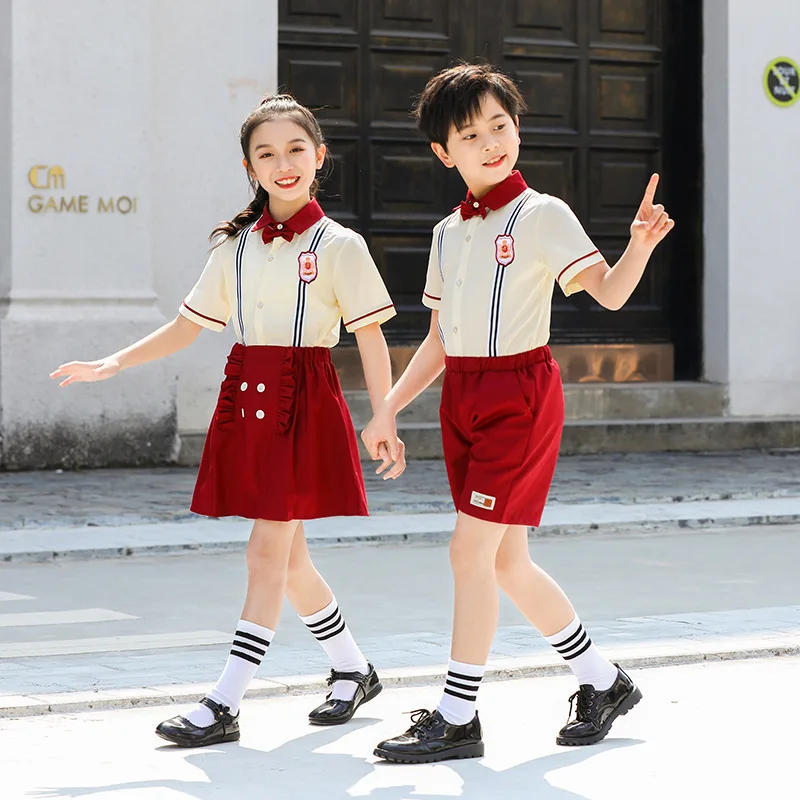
{"type": "Point", "coordinates": [531, 589]}
{"type": "Point", "coordinates": [473, 553]}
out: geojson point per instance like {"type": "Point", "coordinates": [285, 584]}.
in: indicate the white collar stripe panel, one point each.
{"type": "Point", "coordinates": [302, 288]}
{"type": "Point", "coordinates": [284, 293]}
{"type": "Point", "coordinates": [492, 279]}
{"type": "Point", "coordinates": [500, 271]}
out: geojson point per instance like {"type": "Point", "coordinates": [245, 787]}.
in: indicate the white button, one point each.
{"type": "Point", "coordinates": [455, 330]}
{"type": "Point", "coordinates": [242, 412]}
{"type": "Point", "coordinates": [259, 304]}
{"type": "Point", "coordinates": [469, 238]}
{"type": "Point", "coordinates": [476, 204]}
{"type": "Point", "coordinates": [279, 226]}
{"type": "Point", "coordinates": [244, 385]}
{"type": "Point", "coordinates": [260, 414]}
{"type": "Point", "coordinates": [459, 282]}
{"type": "Point", "coordinates": [260, 387]}
{"type": "Point", "coordinates": [270, 258]}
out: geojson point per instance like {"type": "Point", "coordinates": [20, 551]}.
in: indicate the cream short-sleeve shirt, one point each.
{"type": "Point", "coordinates": [492, 279]}
{"type": "Point", "coordinates": [290, 293]}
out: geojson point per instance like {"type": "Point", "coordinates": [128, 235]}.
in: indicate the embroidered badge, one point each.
{"type": "Point", "coordinates": [504, 249]}
{"type": "Point", "coordinates": [308, 266]}
{"type": "Point", "coordinates": [483, 501]}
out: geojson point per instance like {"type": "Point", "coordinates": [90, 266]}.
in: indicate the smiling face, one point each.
{"type": "Point", "coordinates": [485, 149]}
{"type": "Point", "coordinates": [283, 158]}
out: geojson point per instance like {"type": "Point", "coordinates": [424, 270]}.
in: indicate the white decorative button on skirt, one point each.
{"type": "Point", "coordinates": [260, 387]}
{"type": "Point", "coordinates": [244, 385]}
{"type": "Point", "coordinates": [260, 414]}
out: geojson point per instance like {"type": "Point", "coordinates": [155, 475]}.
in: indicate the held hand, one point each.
{"type": "Point", "coordinates": [380, 439]}
{"type": "Point", "coordinates": [652, 222]}
{"type": "Point", "coordinates": [394, 457]}
{"type": "Point", "coordinates": [86, 371]}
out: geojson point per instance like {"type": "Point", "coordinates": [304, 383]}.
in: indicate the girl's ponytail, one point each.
{"type": "Point", "coordinates": [244, 218]}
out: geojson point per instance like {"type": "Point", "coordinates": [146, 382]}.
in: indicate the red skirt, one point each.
{"type": "Point", "coordinates": [281, 444]}
{"type": "Point", "coordinates": [501, 429]}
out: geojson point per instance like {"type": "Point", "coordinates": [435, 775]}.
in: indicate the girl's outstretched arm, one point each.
{"type": "Point", "coordinates": [168, 339]}
{"type": "Point", "coordinates": [424, 368]}
{"type": "Point", "coordinates": [378, 376]}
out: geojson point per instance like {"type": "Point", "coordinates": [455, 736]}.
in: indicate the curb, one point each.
{"type": "Point", "coordinates": [498, 669]}
{"type": "Point", "coordinates": [439, 536]}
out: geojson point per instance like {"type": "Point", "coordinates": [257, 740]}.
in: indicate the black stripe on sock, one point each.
{"type": "Point", "coordinates": [462, 686]}
{"type": "Point", "coordinates": [252, 637]}
{"type": "Point", "coordinates": [569, 638]}
{"type": "Point", "coordinates": [564, 651]}
{"type": "Point", "coordinates": [459, 695]}
{"type": "Point", "coordinates": [580, 652]}
{"type": "Point", "coordinates": [251, 647]}
{"type": "Point", "coordinates": [331, 635]}
{"type": "Point", "coordinates": [256, 661]}
{"type": "Point", "coordinates": [458, 675]}
{"type": "Point", "coordinates": [338, 621]}
{"type": "Point", "coordinates": [322, 622]}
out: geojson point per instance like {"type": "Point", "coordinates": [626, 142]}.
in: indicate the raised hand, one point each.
{"type": "Point", "coordinates": [86, 371]}
{"type": "Point", "coordinates": [652, 223]}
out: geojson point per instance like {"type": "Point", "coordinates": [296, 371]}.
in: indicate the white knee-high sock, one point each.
{"type": "Point", "coordinates": [585, 660]}
{"type": "Point", "coordinates": [249, 647]}
{"type": "Point", "coordinates": [331, 631]}
{"type": "Point", "coordinates": [460, 693]}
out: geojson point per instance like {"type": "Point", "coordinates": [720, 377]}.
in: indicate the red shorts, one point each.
{"type": "Point", "coordinates": [501, 429]}
{"type": "Point", "coordinates": [281, 444]}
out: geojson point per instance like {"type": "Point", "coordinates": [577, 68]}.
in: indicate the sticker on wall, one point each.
{"type": "Point", "coordinates": [782, 81]}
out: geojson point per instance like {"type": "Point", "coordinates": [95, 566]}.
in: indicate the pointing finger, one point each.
{"type": "Point", "coordinates": [650, 191]}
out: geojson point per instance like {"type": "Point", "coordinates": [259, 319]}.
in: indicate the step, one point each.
{"type": "Point", "coordinates": [586, 401]}
{"type": "Point", "coordinates": [693, 435]}
{"type": "Point", "coordinates": [701, 434]}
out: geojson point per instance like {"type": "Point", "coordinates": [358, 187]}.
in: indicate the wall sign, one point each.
{"type": "Point", "coordinates": [48, 178]}
{"type": "Point", "coordinates": [782, 81]}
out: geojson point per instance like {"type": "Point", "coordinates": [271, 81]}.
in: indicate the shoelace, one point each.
{"type": "Point", "coordinates": [585, 697]}
{"type": "Point", "coordinates": [421, 719]}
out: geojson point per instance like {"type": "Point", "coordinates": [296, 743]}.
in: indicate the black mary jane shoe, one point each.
{"type": "Point", "coordinates": [224, 728]}
{"type": "Point", "coordinates": [596, 711]}
{"type": "Point", "coordinates": [433, 738]}
{"type": "Point", "coordinates": [337, 712]}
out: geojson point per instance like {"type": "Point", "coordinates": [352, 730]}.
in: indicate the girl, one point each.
{"type": "Point", "coordinates": [281, 446]}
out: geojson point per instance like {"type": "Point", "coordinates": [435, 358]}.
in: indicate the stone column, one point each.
{"type": "Point", "coordinates": [752, 268]}
{"type": "Point", "coordinates": [77, 276]}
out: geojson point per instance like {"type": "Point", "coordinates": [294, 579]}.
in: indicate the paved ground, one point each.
{"type": "Point", "coordinates": [693, 736]}
{"type": "Point", "coordinates": [126, 496]}
{"type": "Point", "coordinates": [107, 625]}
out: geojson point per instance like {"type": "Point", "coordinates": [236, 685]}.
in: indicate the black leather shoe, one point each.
{"type": "Point", "coordinates": [596, 711]}
{"type": "Point", "coordinates": [336, 712]}
{"type": "Point", "coordinates": [433, 738]}
{"type": "Point", "coordinates": [180, 731]}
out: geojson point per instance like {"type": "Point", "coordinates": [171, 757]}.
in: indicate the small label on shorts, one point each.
{"type": "Point", "coordinates": [483, 501]}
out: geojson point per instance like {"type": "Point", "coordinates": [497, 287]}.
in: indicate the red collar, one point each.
{"type": "Point", "coordinates": [498, 196]}
{"type": "Point", "coordinates": [307, 216]}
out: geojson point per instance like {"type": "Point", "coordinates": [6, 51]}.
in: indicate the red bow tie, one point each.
{"type": "Point", "coordinates": [472, 208]}
{"type": "Point", "coordinates": [275, 229]}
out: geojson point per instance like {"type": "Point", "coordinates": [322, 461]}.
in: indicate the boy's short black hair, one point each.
{"type": "Point", "coordinates": [453, 98]}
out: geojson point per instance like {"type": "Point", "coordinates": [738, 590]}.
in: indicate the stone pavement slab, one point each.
{"type": "Point", "coordinates": [126, 496]}
{"type": "Point", "coordinates": [659, 751]}
{"type": "Point", "coordinates": [560, 519]}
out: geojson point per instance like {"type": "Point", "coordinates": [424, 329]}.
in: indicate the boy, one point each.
{"type": "Point", "coordinates": [490, 278]}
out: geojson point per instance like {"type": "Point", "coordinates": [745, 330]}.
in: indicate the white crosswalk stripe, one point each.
{"type": "Point", "coordinates": [113, 644]}
{"type": "Point", "coordinates": [5, 596]}
{"type": "Point", "coordinates": [83, 646]}
{"type": "Point", "coordinates": [28, 618]}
